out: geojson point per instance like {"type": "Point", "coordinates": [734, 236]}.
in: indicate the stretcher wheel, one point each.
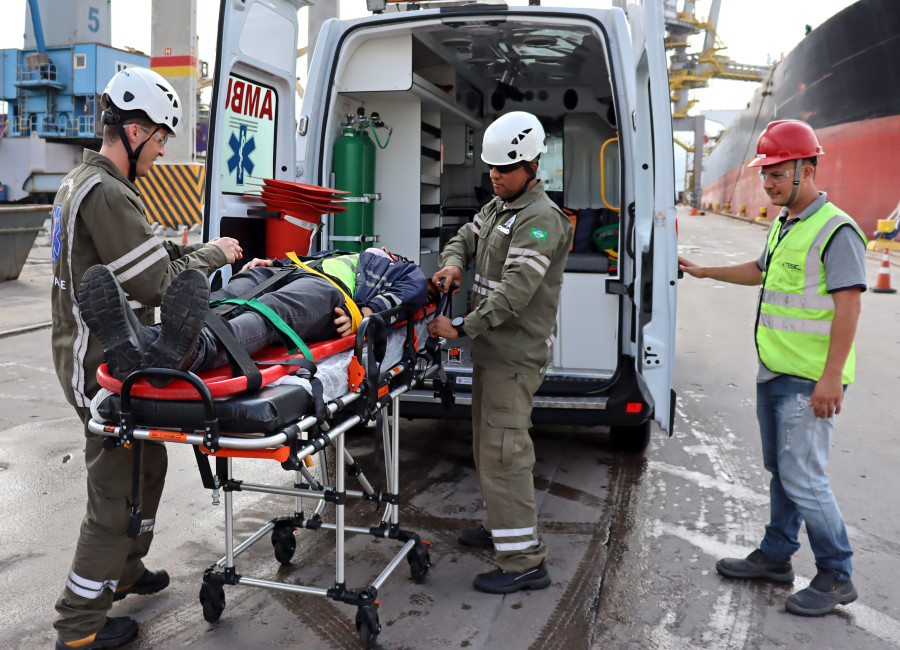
{"type": "Point", "coordinates": [284, 543]}
{"type": "Point", "coordinates": [367, 625]}
{"type": "Point", "coordinates": [212, 599]}
{"type": "Point", "coordinates": [419, 559]}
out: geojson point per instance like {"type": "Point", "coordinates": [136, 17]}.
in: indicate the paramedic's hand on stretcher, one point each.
{"type": "Point", "coordinates": [256, 261]}
{"type": "Point", "coordinates": [230, 247]}
{"type": "Point", "coordinates": [446, 278]}
{"type": "Point", "coordinates": [441, 326]}
{"type": "Point", "coordinates": [343, 321]}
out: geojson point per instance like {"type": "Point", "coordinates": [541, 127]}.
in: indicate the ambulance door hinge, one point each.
{"type": "Point", "coordinates": [619, 288]}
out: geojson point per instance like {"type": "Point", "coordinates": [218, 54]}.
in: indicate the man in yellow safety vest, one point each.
{"type": "Point", "coordinates": [812, 273]}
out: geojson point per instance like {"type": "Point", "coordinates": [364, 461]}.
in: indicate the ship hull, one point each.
{"type": "Point", "coordinates": [840, 80]}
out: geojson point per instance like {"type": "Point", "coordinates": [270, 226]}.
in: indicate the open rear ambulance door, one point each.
{"type": "Point", "coordinates": [252, 120]}
{"type": "Point", "coordinates": [655, 243]}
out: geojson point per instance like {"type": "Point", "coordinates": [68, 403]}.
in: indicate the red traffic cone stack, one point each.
{"type": "Point", "coordinates": [883, 283]}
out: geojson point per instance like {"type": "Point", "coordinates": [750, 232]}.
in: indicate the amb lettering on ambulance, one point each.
{"type": "Point", "coordinates": [243, 98]}
{"type": "Point", "coordinates": [251, 114]}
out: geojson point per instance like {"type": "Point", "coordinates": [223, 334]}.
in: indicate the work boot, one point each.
{"type": "Point", "coordinates": [478, 537]}
{"type": "Point", "coordinates": [499, 581]}
{"type": "Point", "coordinates": [823, 594]}
{"type": "Point", "coordinates": [149, 583]}
{"type": "Point", "coordinates": [118, 631]}
{"type": "Point", "coordinates": [105, 309]}
{"type": "Point", "coordinates": [756, 565]}
{"type": "Point", "coordinates": [182, 314]}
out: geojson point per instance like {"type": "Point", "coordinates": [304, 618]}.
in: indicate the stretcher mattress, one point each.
{"type": "Point", "coordinates": [273, 407]}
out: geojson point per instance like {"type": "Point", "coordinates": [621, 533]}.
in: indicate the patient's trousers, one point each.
{"type": "Point", "coordinates": [306, 304]}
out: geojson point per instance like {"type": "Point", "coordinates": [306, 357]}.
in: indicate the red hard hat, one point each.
{"type": "Point", "coordinates": [786, 140]}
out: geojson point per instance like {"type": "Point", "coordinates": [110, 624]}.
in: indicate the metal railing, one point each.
{"type": "Point", "coordinates": [43, 73]}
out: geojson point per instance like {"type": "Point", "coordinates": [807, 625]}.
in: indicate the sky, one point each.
{"type": "Point", "coordinates": [756, 32]}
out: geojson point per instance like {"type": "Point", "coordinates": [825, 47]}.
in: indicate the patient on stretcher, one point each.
{"type": "Point", "coordinates": [267, 302]}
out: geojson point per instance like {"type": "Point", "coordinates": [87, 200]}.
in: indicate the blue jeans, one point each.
{"type": "Point", "coordinates": [796, 446]}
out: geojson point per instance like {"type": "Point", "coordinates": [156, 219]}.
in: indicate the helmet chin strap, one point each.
{"type": "Point", "coordinates": [796, 184]}
{"type": "Point", "coordinates": [531, 176]}
{"type": "Point", "coordinates": [133, 155]}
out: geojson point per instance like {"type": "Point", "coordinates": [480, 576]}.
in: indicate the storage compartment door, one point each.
{"type": "Point", "coordinates": [251, 132]}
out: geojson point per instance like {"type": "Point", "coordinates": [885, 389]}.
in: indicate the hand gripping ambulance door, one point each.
{"type": "Point", "coordinates": [251, 128]}
{"type": "Point", "coordinates": [654, 240]}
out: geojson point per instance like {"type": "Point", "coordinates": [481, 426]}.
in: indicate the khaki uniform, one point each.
{"type": "Point", "coordinates": [99, 218]}
{"type": "Point", "coordinates": [520, 253]}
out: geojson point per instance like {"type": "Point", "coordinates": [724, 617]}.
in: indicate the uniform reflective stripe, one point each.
{"type": "Point", "coordinates": [814, 257]}
{"type": "Point", "coordinates": [780, 299]}
{"type": "Point", "coordinates": [82, 335]}
{"type": "Point", "coordinates": [481, 285]}
{"type": "Point", "coordinates": [530, 262]}
{"type": "Point", "coordinates": [90, 589]}
{"type": "Point", "coordinates": [527, 252]}
{"type": "Point", "coordinates": [145, 264]}
{"type": "Point", "coordinates": [550, 340]}
{"type": "Point", "coordinates": [147, 525]}
{"type": "Point", "coordinates": [515, 546]}
{"type": "Point", "coordinates": [137, 253]}
{"type": "Point", "coordinates": [136, 304]}
{"type": "Point", "coordinates": [513, 532]}
{"type": "Point", "coordinates": [801, 325]}
{"type": "Point", "coordinates": [471, 226]}
{"type": "Point", "coordinates": [535, 260]}
{"type": "Point", "coordinates": [491, 284]}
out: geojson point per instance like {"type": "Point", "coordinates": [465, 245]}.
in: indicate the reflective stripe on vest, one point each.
{"type": "Point", "coordinates": [349, 305]}
{"type": "Point", "coordinates": [343, 268]}
{"type": "Point", "coordinates": [793, 329]}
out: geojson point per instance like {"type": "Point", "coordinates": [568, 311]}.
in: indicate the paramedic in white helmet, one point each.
{"type": "Point", "coordinates": [99, 218]}
{"type": "Point", "coordinates": [519, 242]}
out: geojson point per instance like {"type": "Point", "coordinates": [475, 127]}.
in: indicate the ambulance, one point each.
{"type": "Point", "coordinates": [393, 113]}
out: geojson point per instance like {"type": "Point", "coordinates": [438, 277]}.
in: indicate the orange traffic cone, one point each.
{"type": "Point", "coordinates": [184, 234]}
{"type": "Point", "coordinates": [883, 283]}
{"type": "Point", "coordinates": [694, 211]}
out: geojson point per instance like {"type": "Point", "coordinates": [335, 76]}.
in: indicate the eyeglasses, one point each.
{"type": "Point", "coordinates": [776, 177]}
{"type": "Point", "coordinates": [159, 137]}
{"type": "Point", "coordinates": [504, 169]}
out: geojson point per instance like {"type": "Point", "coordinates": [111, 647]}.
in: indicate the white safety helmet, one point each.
{"type": "Point", "coordinates": [514, 137]}
{"type": "Point", "coordinates": [139, 90]}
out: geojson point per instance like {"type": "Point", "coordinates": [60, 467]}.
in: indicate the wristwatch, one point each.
{"type": "Point", "coordinates": [458, 324]}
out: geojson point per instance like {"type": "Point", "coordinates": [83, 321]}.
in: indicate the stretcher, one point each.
{"type": "Point", "coordinates": [293, 421]}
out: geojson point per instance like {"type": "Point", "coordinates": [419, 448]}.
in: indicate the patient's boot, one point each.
{"type": "Point", "coordinates": [105, 309]}
{"type": "Point", "coordinates": [182, 314]}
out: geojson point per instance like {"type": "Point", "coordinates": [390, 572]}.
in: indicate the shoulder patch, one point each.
{"type": "Point", "coordinates": [540, 235]}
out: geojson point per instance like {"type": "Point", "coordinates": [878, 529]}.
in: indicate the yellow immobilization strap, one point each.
{"type": "Point", "coordinates": [355, 315]}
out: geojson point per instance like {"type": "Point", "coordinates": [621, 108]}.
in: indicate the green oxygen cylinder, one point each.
{"type": "Point", "coordinates": [349, 159]}
{"type": "Point", "coordinates": [368, 185]}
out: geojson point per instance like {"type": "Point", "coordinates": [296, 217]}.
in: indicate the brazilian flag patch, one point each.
{"type": "Point", "coordinates": [538, 234]}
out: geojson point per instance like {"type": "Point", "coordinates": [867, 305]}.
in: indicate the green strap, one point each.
{"type": "Point", "coordinates": [274, 320]}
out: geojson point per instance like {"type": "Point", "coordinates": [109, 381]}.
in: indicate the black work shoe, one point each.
{"type": "Point", "coordinates": [182, 314]}
{"type": "Point", "coordinates": [499, 581]}
{"type": "Point", "coordinates": [756, 565]}
{"type": "Point", "coordinates": [149, 583]}
{"type": "Point", "coordinates": [823, 594]}
{"type": "Point", "coordinates": [118, 631]}
{"type": "Point", "coordinates": [105, 309]}
{"type": "Point", "coordinates": [478, 537]}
